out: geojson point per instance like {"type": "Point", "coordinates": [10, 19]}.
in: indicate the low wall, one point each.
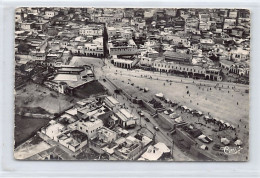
{"type": "Point", "coordinates": [149, 107]}
{"type": "Point", "coordinates": [166, 121]}
{"type": "Point", "coordinates": [187, 140]}
{"type": "Point", "coordinates": [202, 154]}
{"type": "Point", "coordinates": [134, 100]}
{"type": "Point", "coordinates": [96, 149]}
{"type": "Point", "coordinates": [38, 116]}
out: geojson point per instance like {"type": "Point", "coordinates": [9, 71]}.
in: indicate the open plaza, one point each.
{"type": "Point", "coordinates": [132, 84]}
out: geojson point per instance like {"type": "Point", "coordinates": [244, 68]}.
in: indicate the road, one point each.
{"type": "Point", "coordinates": [120, 76]}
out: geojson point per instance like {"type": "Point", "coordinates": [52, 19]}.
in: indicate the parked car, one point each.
{"type": "Point", "coordinates": [140, 113]}
{"type": "Point", "coordinates": [147, 120]}
{"type": "Point", "coordinates": [156, 128]}
{"type": "Point", "coordinates": [216, 147]}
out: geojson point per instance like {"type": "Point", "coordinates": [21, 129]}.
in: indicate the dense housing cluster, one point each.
{"type": "Point", "coordinates": [132, 84]}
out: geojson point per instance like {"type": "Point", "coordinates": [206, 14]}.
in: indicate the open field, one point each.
{"type": "Point", "coordinates": [36, 96]}
{"type": "Point", "coordinates": [30, 147]}
{"type": "Point", "coordinates": [25, 128]}
{"type": "Point", "coordinates": [33, 95]}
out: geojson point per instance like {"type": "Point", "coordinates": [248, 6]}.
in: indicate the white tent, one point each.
{"type": "Point", "coordinates": [199, 112]}
{"type": "Point", "coordinates": [206, 117]}
{"type": "Point", "coordinates": [178, 119]}
{"type": "Point", "coordinates": [171, 109]}
{"type": "Point", "coordinates": [165, 112]}
{"type": "Point", "coordinates": [216, 119]}
{"type": "Point", "coordinates": [227, 124]}
{"type": "Point", "coordinates": [225, 141]}
{"type": "Point", "coordinates": [204, 147]}
{"type": "Point", "coordinates": [184, 107]}
{"type": "Point", "coordinates": [202, 136]}
{"type": "Point", "coordinates": [221, 121]}
{"type": "Point", "coordinates": [159, 95]}
{"type": "Point", "coordinates": [238, 143]}
{"type": "Point", "coordinates": [232, 126]}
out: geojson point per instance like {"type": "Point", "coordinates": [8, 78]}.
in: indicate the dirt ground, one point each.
{"type": "Point", "coordinates": [25, 127]}
{"type": "Point", "coordinates": [79, 61]}
{"type": "Point", "coordinates": [29, 148]}
{"type": "Point", "coordinates": [33, 95]}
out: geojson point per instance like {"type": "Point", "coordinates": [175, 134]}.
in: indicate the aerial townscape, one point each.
{"type": "Point", "coordinates": [139, 84]}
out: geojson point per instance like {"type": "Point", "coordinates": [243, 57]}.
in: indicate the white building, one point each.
{"type": "Point", "coordinates": [91, 31]}
{"type": "Point", "coordinates": [106, 135]}
{"type": "Point", "coordinates": [122, 47]}
{"type": "Point", "coordinates": [121, 32]}
{"type": "Point", "coordinates": [123, 63]}
{"type": "Point", "coordinates": [111, 102]}
{"type": "Point", "coordinates": [126, 119]}
{"type": "Point", "coordinates": [90, 128]}
{"type": "Point", "coordinates": [239, 54]}
{"type": "Point", "coordinates": [91, 49]}
{"type": "Point", "coordinates": [146, 61]}
{"type": "Point", "coordinates": [27, 26]}
{"type": "Point", "coordinates": [50, 14]}
{"type": "Point", "coordinates": [155, 152]}
{"type": "Point", "coordinates": [229, 23]}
